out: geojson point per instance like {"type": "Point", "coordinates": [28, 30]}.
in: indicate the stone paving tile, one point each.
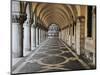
{"type": "Point", "coordinates": [64, 49]}
{"type": "Point", "coordinates": [31, 67]}
{"type": "Point", "coordinates": [67, 54]}
{"type": "Point", "coordinates": [42, 50]}
{"type": "Point", "coordinates": [54, 52]}
{"type": "Point", "coordinates": [53, 60]}
{"type": "Point", "coordinates": [38, 56]}
{"type": "Point", "coordinates": [74, 65]}
{"type": "Point", "coordinates": [51, 56]}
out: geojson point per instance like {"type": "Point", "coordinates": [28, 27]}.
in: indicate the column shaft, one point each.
{"type": "Point", "coordinates": [78, 37]}
{"type": "Point", "coordinates": [37, 36]}
{"type": "Point", "coordinates": [71, 36]}
{"type": "Point", "coordinates": [33, 38]}
{"type": "Point", "coordinates": [27, 36]}
{"type": "Point", "coordinates": [18, 19]}
{"type": "Point", "coordinates": [41, 36]}
{"type": "Point", "coordinates": [17, 40]}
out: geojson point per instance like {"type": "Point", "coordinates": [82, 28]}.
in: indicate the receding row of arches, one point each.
{"type": "Point", "coordinates": [31, 22]}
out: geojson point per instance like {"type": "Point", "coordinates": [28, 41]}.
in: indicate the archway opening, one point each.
{"type": "Point", "coordinates": [53, 31]}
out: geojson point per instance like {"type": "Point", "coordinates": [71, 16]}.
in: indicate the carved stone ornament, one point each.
{"type": "Point", "coordinates": [80, 19]}
{"type": "Point", "coordinates": [18, 18]}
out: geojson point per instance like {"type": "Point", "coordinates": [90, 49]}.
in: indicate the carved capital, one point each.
{"type": "Point", "coordinates": [18, 18]}
{"type": "Point", "coordinates": [33, 25]}
{"type": "Point", "coordinates": [80, 19]}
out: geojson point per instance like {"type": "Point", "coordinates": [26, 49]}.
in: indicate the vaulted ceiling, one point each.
{"type": "Point", "coordinates": [60, 14]}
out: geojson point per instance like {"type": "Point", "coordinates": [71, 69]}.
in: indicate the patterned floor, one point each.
{"type": "Point", "coordinates": [52, 55]}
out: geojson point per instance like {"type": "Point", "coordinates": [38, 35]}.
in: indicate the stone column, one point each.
{"type": "Point", "coordinates": [94, 57]}
{"type": "Point", "coordinates": [40, 35]}
{"type": "Point", "coordinates": [94, 33]}
{"type": "Point", "coordinates": [27, 31]}
{"type": "Point", "coordinates": [71, 33]}
{"type": "Point", "coordinates": [75, 36]}
{"type": "Point", "coordinates": [43, 35]}
{"type": "Point", "coordinates": [17, 29]}
{"type": "Point", "coordinates": [69, 37]}
{"type": "Point", "coordinates": [27, 36]}
{"type": "Point", "coordinates": [33, 37]}
{"type": "Point", "coordinates": [78, 36]}
{"type": "Point", "coordinates": [46, 35]}
{"type": "Point", "coordinates": [17, 48]}
{"type": "Point", "coordinates": [59, 34]}
{"type": "Point", "coordinates": [37, 36]}
{"type": "Point", "coordinates": [67, 34]}
{"type": "Point", "coordinates": [62, 34]}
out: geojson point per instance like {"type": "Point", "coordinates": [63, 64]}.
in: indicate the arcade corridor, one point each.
{"type": "Point", "coordinates": [52, 37]}
{"type": "Point", "coordinates": [52, 55]}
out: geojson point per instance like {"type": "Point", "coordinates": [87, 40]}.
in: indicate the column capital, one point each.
{"type": "Point", "coordinates": [28, 22]}
{"type": "Point", "coordinates": [38, 25]}
{"type": "Point", "coordinates": [33, 25]}
{"type": "Point", "coordinates": [18, 17]}
{"type": "Point", "coordinates": [80, 19]}
{"type": "Point", "coordinates": [94, 10]}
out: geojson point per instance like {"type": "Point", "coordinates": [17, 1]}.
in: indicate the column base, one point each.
{"type": "Point", "coordinates": [27, 49]}
{"type": "Point", "coordinates": [17, 55]}
{"type": "Point", "coordinates": [37, 45]}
